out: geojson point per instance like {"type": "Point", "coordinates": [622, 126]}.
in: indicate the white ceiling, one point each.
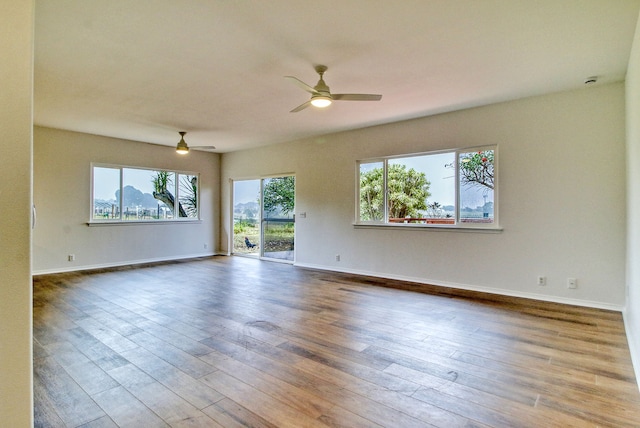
{"type": "Point", "coordinates": [145, 69]}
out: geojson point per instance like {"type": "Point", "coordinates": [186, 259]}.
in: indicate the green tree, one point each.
{"type": "Point", "coordinates": [435, 210]}
{"type": "Point", "coordinates": [189, 194]}
{"type": "Point", "coordinates": [279, 194]}
{"type": "Point", "coordinates": [371, 195]}
{"type": "Point", "coordinates": [476, 169]}
{"type": "Point", "coordinates": [160, 182]}
{"type": "Point", "coordinates": [408, 191]}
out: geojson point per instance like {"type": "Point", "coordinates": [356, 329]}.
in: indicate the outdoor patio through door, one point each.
{"type": "Point", "coordinates": [278, 228]}
{"type": "Point", "coordinates": [263, 218]}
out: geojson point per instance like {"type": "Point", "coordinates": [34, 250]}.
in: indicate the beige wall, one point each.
{"type": "Point", "coordinates": [62, 186]}
{"type": "Point", "coordinates": [557, 154]}
{"type": "Point", "coordinates": [562, 199]}
{"type": "Point", "coordinates": [632, 313]}
{"type": "Point", "coordinates": [16, 89]}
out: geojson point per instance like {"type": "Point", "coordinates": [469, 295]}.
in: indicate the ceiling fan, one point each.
{"type": "Point", "coordinates": [182, 147]}
{"type": "Point", "coordinates": [321, 96]}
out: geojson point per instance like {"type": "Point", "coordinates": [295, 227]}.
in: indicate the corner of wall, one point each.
{"type": "Point", "coordinates": [631, 313]}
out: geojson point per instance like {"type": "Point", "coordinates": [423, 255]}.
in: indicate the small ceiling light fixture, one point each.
{"type": "Point", "coordinates": [590, 80]}
{"type": "Point", "coordinates": [320, 101]}
{"type": "Point", "coordinates": [182, 147]}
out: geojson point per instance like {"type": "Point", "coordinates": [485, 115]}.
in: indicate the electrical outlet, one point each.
{"type": "Point", "coordinates": [71, 257]}
{"type": "Point", "coordinates": [572, 283]}
{"type": "Point", "coordinates": [542, 280]}
{"type": "Point", "coordinates": [337, 257]}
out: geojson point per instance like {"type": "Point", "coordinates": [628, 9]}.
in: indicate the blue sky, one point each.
{"type": "Point", "coordinates": [443, 184]}
{"type": "Point", "coordinates": [246, 191]}
{"type": "Point", "coordinates": [442, 179]}
{"type": "Point", "coordinates": [106, 181]}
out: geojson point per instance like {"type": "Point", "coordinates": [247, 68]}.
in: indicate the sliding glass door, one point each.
{"type": "Point", "coordinates": [263, 218]}
{"type": "Point", "coordinates": [278, 228]}
{"type": "Point", "coordinates": [246, 217]}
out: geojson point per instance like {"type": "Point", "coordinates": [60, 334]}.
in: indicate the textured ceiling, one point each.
{"type": "Point", "coordinates": [145, 69]}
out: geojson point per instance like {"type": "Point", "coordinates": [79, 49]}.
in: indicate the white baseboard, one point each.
{"type": "Point", "coordinates": [470, 287]}
{"type": "Point", "coordinates": [123, 263]}
{"type": "Point", "coordinates": [426, 281]}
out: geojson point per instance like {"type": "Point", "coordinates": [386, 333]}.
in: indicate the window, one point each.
{"type": "Point", "coordinates": [134, 194]}
{"type": "Point", "coordinates": [449, 188]}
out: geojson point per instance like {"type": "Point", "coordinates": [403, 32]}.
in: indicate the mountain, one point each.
{"type": "Point", "coordinates": [242, 208]}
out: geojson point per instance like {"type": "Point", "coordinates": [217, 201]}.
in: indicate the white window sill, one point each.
{"type": "Point", "coordinates": [430, 227]}
{"type": "Point", "coordinates": [140, 222]}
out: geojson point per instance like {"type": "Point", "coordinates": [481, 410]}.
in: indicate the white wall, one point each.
{"type": "Point", "coordinates": [16, 106]}
{"type": "Point", "coordinates": [562, 198]}
{"type": "Point", "coordinates": [632, 313]}
{"type": "Point", "coordinates": [62, 185]}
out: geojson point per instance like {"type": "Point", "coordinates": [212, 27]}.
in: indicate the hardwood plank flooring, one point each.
{"type": "Point", "coordinates": [235, 342]}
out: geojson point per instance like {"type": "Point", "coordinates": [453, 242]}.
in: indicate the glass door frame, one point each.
{"type": "Point", "coordinates": [264, 223]}
{"type": "Point", "coordinates": [232, 217]}
{"type": "Point", "coordinates": [261, 219]}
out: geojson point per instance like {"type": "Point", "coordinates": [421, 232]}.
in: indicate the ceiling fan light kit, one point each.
{"type": "Point", "coordinates": [322, 97]}
{"type": "Point", "coordinates": [182, 147]}
{"type": "Point", "coordinates": [321, 101]}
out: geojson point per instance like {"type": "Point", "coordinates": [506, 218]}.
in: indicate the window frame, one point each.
{"type": "Point", "coordinates": [176, 219]}
{"type": "Point", "coordinates": [458, 224]}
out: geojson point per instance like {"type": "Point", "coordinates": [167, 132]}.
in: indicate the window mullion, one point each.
{"type": "Point", "coordinates": [385, 170]}
{"type": "Point", "coordinates": [457, 181]}
{"type": "Point", "coordinates": [176, 215]}
{"type": "Point", "coordinates": [121, 201]}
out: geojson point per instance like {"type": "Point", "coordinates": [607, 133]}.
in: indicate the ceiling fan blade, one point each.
{"type": "Point", "coordinates": [301, 84]}
{"type": "Point", "coordinates": [356, 97]}
{"type": "Point", "coordinates": [301, 107]}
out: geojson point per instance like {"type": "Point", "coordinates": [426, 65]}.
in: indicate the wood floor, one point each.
{"type": "Point", "coordinates": [234, 342]}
